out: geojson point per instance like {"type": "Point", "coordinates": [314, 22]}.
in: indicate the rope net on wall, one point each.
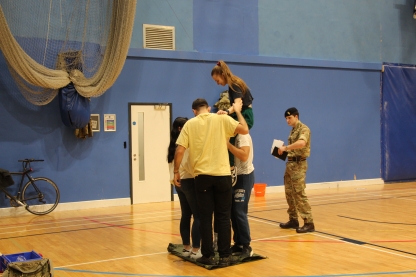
{"type": "Point", "coordinates": [50, 43]}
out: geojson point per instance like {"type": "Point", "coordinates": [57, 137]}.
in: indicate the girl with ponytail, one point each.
{"type": "Point", "coordinates": [238, 91]}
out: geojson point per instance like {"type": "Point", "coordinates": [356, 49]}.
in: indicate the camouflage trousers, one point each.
{"type": "Point", "coordinates": [296, 198]}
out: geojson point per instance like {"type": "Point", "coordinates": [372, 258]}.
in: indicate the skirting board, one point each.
{"type": "Point", "coordinates": [71, 206]}
{"type": "Point", "coordinates": [327, 185]}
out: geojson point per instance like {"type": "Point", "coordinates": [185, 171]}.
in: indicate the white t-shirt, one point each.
{"type": "Point", "coordinates": [184, 170]}
{"type": "Point", "coordinates": [247, 166]}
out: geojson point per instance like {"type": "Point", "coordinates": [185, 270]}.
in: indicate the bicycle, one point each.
{"type": "Point", "coordinates": [40, 195]}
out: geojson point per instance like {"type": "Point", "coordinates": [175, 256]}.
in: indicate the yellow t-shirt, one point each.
{"type": "Point", "coordinates": [206, 136]}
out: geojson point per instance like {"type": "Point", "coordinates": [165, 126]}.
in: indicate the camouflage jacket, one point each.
{"type": "Point", "coordinates": [300, 131]}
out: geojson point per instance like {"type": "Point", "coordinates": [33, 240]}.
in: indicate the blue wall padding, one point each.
{"type": "Point", "coordinates": [398, 123]}
{"type": "Point", "coordinates": [75, 109]}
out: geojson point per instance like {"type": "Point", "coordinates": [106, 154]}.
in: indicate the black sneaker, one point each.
{"type": "Point", "coordinates": [206, 260]}
{"type": "Point", "coordinates": [247, 252]}
{"type": "Point", "coordinates": [227, 261]}
{"type": "Point", "coordinates": [236, 249]}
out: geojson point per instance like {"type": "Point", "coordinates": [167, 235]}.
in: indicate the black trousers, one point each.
{"type": "Point", "coordinates": [214, 196]}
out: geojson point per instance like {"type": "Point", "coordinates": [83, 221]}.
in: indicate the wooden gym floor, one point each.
{"type": "Point", "coordinates": [360, 231]}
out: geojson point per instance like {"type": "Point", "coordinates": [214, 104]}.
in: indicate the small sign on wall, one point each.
{"type": "Point", "coordinates": [109, 122]}
{"type": "Point", "coordinates": [95, 122]}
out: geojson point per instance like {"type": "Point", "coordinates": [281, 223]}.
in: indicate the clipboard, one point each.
{"type": "Point", "coordinates": [275, 147]}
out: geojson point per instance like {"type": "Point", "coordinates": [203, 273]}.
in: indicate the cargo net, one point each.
{"type": "Point", "coordinates": [49, 43]}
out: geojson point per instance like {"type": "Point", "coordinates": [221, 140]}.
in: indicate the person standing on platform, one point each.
{"type": "Point", "coordinates": [206, 137]}
{"type": "Point", "coordinates": [243, 155]}
{"type": "Point", "coordinates": [187, 195]}
{"type": "Point", "coordinates": [298, 148]}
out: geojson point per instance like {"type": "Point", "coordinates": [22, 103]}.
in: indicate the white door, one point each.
{"type": "Point", "coordinates": [150, 136]}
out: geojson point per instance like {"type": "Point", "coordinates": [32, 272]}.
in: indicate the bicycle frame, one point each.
{"type": "Point", "coordinates": [25, 172]}
{"type": "Point", "coordinates": [30, 193]}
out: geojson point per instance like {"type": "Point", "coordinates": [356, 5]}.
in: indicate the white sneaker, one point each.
{"type": "Point", "coordinates": [234, 176]}
{"type": "Point", "coordinates": [196, 255]}
{"type": "Point", "coordinates": [186, 253]}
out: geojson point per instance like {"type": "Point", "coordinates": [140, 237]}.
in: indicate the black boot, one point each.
{"type": "Point", "coordinates": [308, 227]}
{"type": "Point", "coordinates": [291, 224]}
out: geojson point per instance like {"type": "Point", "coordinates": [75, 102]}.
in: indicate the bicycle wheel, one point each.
{"type": "Point", "coordinates": [41, 195]}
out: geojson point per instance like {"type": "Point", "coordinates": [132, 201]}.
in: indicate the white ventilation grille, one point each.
{"type": "Point", "coordinates": [158, 37]}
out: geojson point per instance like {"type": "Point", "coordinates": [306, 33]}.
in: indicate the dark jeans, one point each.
{"type": "Point", "coordinates": [214, 197]}
{"type": "Point", "coordinates": [189, 207]}
{"type": "Point", "coordinates": [241, 197]}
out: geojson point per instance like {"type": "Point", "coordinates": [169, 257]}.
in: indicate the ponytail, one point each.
{"type": "Point", "coordinates": [232, 80]}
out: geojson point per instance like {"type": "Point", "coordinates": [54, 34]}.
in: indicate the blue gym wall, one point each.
{"type": "Point", "coordinates": [323, 56]}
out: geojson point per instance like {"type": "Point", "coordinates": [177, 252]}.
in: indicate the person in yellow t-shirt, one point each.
{"type": "Point", "coordinates": [206, 137]}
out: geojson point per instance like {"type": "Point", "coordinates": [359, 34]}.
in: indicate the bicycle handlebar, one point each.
{"type": "Point", "coordinates": [29, 160]}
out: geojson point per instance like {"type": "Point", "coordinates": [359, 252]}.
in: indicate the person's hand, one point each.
{"type": "Point", "coordinates": [280, 150]}
{"type": "Point", "coordinates": [238, 106]}
{"type": "Point", "coordinates": [177, 179]}
{"type": "Point", "coordinates": [222, 112]}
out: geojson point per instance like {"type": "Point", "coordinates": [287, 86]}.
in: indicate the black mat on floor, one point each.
{"type": "Point", "coordinates": [176, 249]}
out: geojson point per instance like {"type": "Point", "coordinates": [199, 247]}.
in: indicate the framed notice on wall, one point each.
{"type": "Point", "coordinates": [109, 122]}
{"type": "Point", "coordinates": [95, 122]}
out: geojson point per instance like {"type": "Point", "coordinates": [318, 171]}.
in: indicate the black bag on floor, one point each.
{"type": "Point", "coordinates": [35, 268]}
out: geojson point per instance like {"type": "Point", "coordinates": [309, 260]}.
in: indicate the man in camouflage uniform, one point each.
{"type": "Point", "coordinates": [298, 149]}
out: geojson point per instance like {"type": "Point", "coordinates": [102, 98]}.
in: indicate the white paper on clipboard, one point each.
{"type": "Point", "coordinates": [276, 143]}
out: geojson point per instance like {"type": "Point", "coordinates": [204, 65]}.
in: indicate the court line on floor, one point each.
{"type": "Point", "coordinates": [347, 240]}
{"type": "Point", "coordinates": [81, 219]}
{"type": "Point", "coordinates": [366, 196]}
{"type": "Point", "coordinates": [357, 242]}
{"type": "Point", "coordinates": [113, 273]}
{"type": "Point", "coordinates": [84, 222]}
{"type": "Point", "coordinates": [323, 204]}
{"type": "Point", "coordinates": [77, 230]}
{"type": "Point", "coordinates": [275, 224]}
{"type": "Point", "coordinates": [114, 259]}
{"type": "Point", "coordinates": [130, 228]}
{"type": "Point", "coordinates": [374, 221]}
{"type": "Point", "coordinates": [343, 196]}
{"type": "Point", "coordinates": [373, 248]}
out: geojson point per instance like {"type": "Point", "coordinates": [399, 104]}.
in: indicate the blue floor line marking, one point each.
{"type": "Point", "coordinates": [160, 275]}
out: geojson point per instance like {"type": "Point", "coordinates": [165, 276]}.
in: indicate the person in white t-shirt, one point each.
{"type": "Point", "coordinates": [243, 155]}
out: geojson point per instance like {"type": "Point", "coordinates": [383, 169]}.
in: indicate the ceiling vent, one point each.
{"type": "Point", "coordinates": [158, 37]}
